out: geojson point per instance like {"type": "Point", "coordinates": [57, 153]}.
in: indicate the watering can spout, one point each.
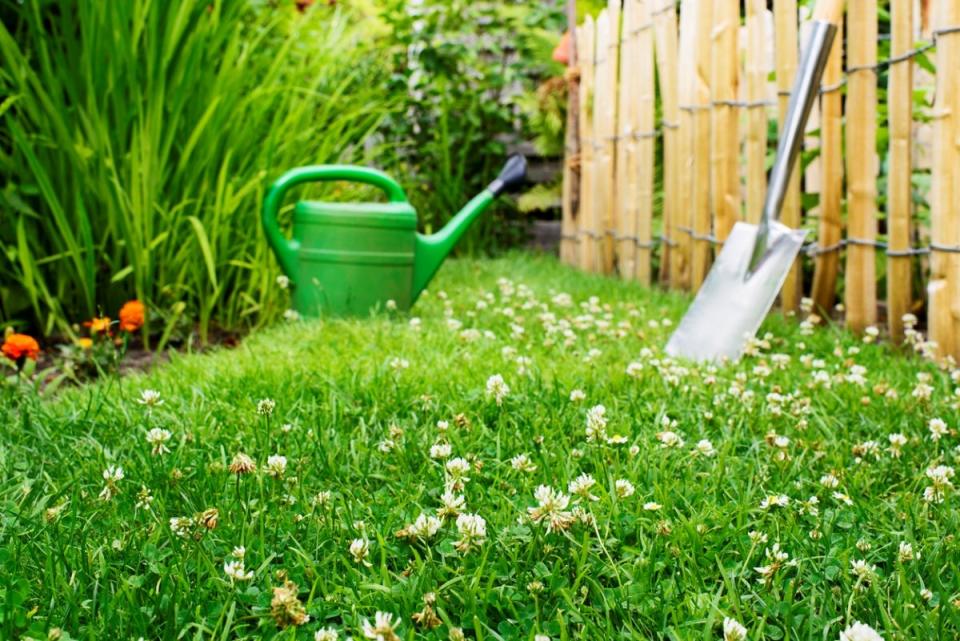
{"type": "Point", "coordinates": [431, 250]}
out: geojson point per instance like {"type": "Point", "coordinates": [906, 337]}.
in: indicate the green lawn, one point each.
{"type": "Point", "coordinates": [702, 476]}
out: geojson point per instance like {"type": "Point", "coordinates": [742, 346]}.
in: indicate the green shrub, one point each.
{"type": "Point", "coordinates": [463, 69]}
{"type": "Point", "coordinates": [136, 142]}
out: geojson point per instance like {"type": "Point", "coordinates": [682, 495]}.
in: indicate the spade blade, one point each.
{"type": "Point", "coordinates": [732, 302]}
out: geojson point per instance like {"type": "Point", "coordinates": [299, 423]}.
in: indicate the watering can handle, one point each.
{"type": "Point", "coordinates": [286, 249]}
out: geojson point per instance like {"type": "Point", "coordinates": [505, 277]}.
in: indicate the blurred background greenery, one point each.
{"type": "Point", "coordinates": [137, 138]}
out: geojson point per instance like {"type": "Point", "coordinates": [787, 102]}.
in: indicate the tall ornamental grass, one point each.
{"type": "Point", "coordinates": [136, 141]}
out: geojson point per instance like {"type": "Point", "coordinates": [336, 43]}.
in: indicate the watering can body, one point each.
{"type": "Point", "coordinates": [345, 259]}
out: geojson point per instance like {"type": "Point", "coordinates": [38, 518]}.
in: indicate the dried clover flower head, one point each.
{"type": "Point", "coordinates": [285, 607]}
{"type": "Point", "coordinates": [242, 464]}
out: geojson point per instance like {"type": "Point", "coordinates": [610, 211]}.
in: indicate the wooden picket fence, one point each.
{"type": "Point", "coordinates": [679, 94]}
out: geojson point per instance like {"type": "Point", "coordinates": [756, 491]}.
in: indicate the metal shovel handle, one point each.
{"type": "Point", "coordinates": [802, 98]}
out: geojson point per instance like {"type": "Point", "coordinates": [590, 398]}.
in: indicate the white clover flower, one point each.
{"type": "Point", "coordinates": [276, 466]}
{"type": "Point", "coordinates": [551, 509]}
{"type": "Point", "coordinates": [757, 538]}
{"type": "Point", "coordinates": [144, 498]}
{"type": "Point", "coordinates": [635, 369]}
{"type": "Point", "coordinates": [150, 398]}
{"type": "Point", "coordinates": [860, 632]}
{"type": "Point", "coordinates": [425, 526]}
{"type": "Point", "coordinates": [111, 476]}
{"type": "Point", "coordinates": [326, 634]}
{"type": "Point", "coordinates": [705, 448]}
{"type": "Point", "coordinates": [451, 504]}
{"type": "Point", "coordinates": [624, 488]}
{"type": "Point", "coordinates": [669, 439]}
{"type": "Point", "coordinates": [497, 389]}
{"type": "Point", "coordinates": [359, 550]}
{"type": "Point", "coordinates": [457, 469]}
{"type": "Point", "coordinates": [774, 500]}
{"type": "Point", "coordinates": [577, 396]}
{"type": "Point", "coordinates": [157, 438]}
{"type": "Point", "coordinates": [398, 364]}
{"type": "Point", "coordinates": [829, 481]}
{"type": "Point", "coordinates": [239, 552]}
{"type": "Point", "coordinates": [776, 560]}
{"type": "Point", "coordinates": [265, 406]}
{"type": "Point", "coordinates": [236, 571]}
{"type": "Point", "coordinates": [582, 485]}
{"type": "Point", "coordinates": [733, 630]}
{"type": "Point", "coordinates": [473, 532]}
{"type": "Point", "coordinates": [940, 476]}
{"type": "Point", "coordinates": [181, 526]}
{"type": "Point", "coordinates": [905, 552]}
{"type": "Point", "coordinates": [291, 315]}
{"type": "Point", "coordinates": [596, 424]}
{"type": "Point", "coordinates": [383, 628]}
{"type": "Point", "coordinates": [840, 497]}
{"type": "Point", "coordinates": [938, 429]}
{"type": "Point", "coordinates": [440, 450]}
{"type": "Point", "coordinates": [897, 441]}
{"type": "Point", "coordinates": [862, 570]}
{"type": "Point", "coordinates": [522, 463]}
{"type": "Point", "coordinates": [652, 506]}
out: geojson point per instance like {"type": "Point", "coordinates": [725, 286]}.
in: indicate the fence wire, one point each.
{"type": "Point", "coordinates": [812, 249]}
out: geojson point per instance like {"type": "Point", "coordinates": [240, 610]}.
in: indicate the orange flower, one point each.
{"type": "Point", "coordinates": [85, 343]}
{"type": "Point", "coordinates": [131, 316]}
{"type": "Point", "coordinates": [99, 325]}
{"type": "Point", "coordinates": [17, 347]}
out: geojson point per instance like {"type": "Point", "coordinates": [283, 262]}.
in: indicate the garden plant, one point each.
{"type": "Point", "coordinates": [517, 459]}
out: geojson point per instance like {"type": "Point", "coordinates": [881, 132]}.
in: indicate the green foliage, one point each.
{"type": "Point", "coordinates": [354, 422]}
{"type": "Point", "coordinates": [462, 68]}
{"type": "Point", "coordinates": [136, 142]}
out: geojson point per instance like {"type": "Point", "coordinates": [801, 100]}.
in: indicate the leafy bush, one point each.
{"type": "Point", "coordinates": [463, 68]}
{"type": "Point", "coordinates": [137, 140]}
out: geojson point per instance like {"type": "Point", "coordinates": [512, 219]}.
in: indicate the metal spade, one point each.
{"type": "Point", "coordinates": [755, 259]}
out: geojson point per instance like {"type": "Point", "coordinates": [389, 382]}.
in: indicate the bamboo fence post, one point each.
{"type": "Point", "coordinates": [944, 285]}
{"type": "Point", "coordinates": [627, 190]}
{"type": "Point", "coordinates": [899, 195]}
{"type": "Point", "coordinates": [604, 131]}
{"type": "Point", "coordinates": [702, 247]}
{"type": "Point", "coordinates": [860, 295]}
{"type": "Point", "coordinates": [756, 71]}
{"type": "Point", "coordinates": [646, 143]}
{"type": "Point", "coordinates": [724, 138]}
{"type": "Point", "coordinates": [785, 17]}
{"type": "Point", "coordinates": [571, 161]}
{"type": "Point", "coordinates": [831, 184]}
{"type": "Point", "coordinates": [665, 34]}
{"type": "Point", "coordinates": [585, 45]}
{"type": "Point", "coordinates": [610, 142]}
{"type": "Point", "coordinates": [686, 91]}
{"type": "Point", "coordinates": [601, 97]}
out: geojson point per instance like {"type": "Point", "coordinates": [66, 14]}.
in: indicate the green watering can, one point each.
{"type": "Point", "coordinates": [346, 258]}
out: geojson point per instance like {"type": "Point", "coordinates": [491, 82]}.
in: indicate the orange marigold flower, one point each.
{"type": "Point", "coordinates": [131, 316]}
{"type": "Point", "coordinates": [85, 343]}
{"type": "Point", "coordinates": [99, 325]}
{"type": "Point", "coordinates": [17, 347]}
